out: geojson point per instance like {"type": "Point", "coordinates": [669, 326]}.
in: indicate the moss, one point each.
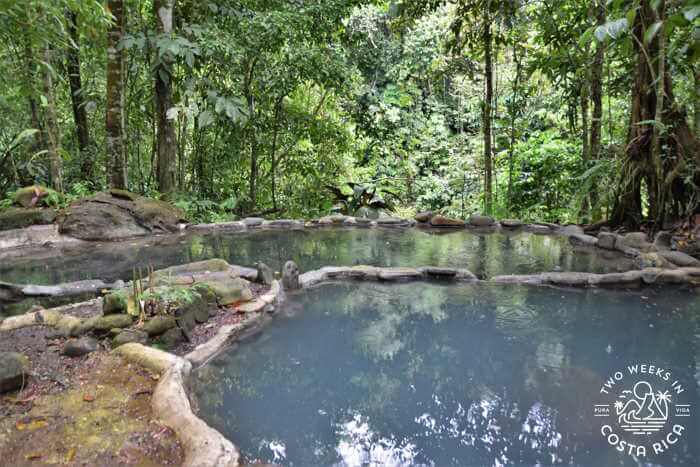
{"type": "Point", "coordinates": [115, 302]}
{"type": "Point", "coordinates": [95, 423]}
{"type": "Point", "coordinates": [18, 218]}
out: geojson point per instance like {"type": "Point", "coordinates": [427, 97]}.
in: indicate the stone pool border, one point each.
{"type": "Point", "coordinates": [17, 241]}
{"type": "Point", "coordinates": [205, 446]}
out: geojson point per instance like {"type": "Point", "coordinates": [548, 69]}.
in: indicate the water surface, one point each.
{"type": "Point", "coordinates": [464, 375]}
{"type": "Point", "coordinates": [484, 254]}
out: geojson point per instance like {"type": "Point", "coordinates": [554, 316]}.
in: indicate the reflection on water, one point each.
{"type": "Point", "coordinates": [484, 254]}
{"type": "Point", "coordinates": [429, 374]}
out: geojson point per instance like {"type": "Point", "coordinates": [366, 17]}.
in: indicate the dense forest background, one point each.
{"type": "Point", "coordinates": [549, 110]}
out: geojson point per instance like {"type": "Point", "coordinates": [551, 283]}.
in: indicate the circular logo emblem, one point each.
{"type": "Point", "coordinates": [642, 410]}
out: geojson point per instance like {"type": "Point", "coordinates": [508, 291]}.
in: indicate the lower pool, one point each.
{"type": "Point", "coordinates": [464, 375]}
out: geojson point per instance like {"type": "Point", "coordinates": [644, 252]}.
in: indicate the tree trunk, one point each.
{"type": "Point", "coordinates": [585, 149]}
{"type": "Point", "coordinates": [76, 92]}
{"type": "Point", "coordinates": [31, 83]}
{"type": "Point", "coordinates": [513, 108]}
{"type": "Point", "coordinates": [166, 142]}
{"type": "Point", "coordinates": [486, 118]}
{"type": "Point", "coordinates": [658, 208]}
{"type": "Point", "coordinates": [597, 100]}
{"type": "Point", "coordinates": [250, 99]}
{"type": "Point", "coordinates": [652, 101]}
{"type": "Point", "coordinates": [53, 133]}
{"type": "Point", "coordinates": [114, 121]}
{"type": "Point", "coordinates": [273, 153]}
{"type": "Point", "coordinates": [696, 105]}
{"type": "Point", "coordinates": [597, 86]}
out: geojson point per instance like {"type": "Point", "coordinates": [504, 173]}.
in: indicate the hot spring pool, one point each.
{"type": "Point", "coordinates": [464, 375]}
{"type": "Point", "coordinates": [484, 254]}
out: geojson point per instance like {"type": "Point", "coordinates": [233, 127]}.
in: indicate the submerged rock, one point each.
{"type": "Point", "coordinates": [80, 347]}
{"type": "Point", "coordinates": [423, 216]}
{"type": "Point", "coordinates": [117, 215]}
{"type": "Point", "coordinates": [442, 221]}
{"type": "Point", "coordinates": [19, 218]}
{"type": "Point", "coordinates": [290, 276]}
{"type": "Point", "coordinates": [13, 371]}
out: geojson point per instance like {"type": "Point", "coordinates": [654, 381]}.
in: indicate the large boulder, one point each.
{"type": "Point", "coordinates": [442, 221]}
{"type": "Point", "coordinates": [118, 214]}
{"type": "Point", "coordinates": [13, 371]}
{"type": "Point", "coordinates": [19, 218]}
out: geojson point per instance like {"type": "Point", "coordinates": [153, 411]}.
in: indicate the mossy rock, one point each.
{"type": "Point", "coordinates": [118, 215]}
{"type": "Point", "coordinates": [114, 303]}
{"type": "Point", "coordinates": [129, 336]}
{"type": "Point", "coordinates": [19, 218]}
{"type": "Point", "coordinates": [33, 196]}
{"type": "Point", "coordinates": [123, 194]}
{"type": "Point", "coordinates": [230, 291]}
{"type": "Point", "coordinates": [159, 325]}
{"type": "Point", "coordinates": [171, 338]}
{"type": "Point", "coordinates": [105, 323]}
{"type": "Point", "coordinates": [13, 371]}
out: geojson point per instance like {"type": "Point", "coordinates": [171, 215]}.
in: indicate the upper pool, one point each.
{"type": "Point", "coordinates": [471, 375]}
{"type": "Point", "coordinates": [484, 254]}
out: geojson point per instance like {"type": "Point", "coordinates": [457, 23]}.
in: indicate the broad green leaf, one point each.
{"type": "Point", "coordinates": [652, 31]}
{"type": "Point", "coordinates": [692, 12]}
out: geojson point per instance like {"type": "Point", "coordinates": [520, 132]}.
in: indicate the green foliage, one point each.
{"type": "Point", "coordinates": [275, 101]}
